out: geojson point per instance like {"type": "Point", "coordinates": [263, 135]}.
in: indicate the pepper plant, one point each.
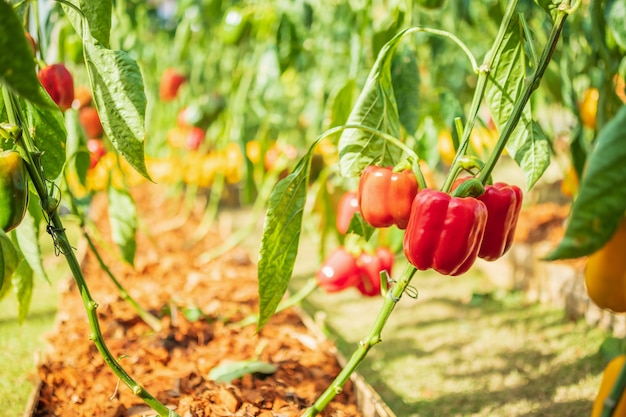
{"type": "Point", "coordinates": [380, 132]}
{"type": "Point", "coordinates": [33, 129]}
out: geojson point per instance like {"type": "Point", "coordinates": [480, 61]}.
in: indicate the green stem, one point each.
{"type": "Point", "coordinates": [373, 338]}
{"type": "Point", "coordinates": [611, 401]}
{"type": "Point", "coordinates": [528, 89]}
{"type": "Point", "coordinates": [66, 249]}
{"type": "Point", "coordinates": [479, 92]}
{"type": "Point", "coordinates": [57, 231]}
{"type": "Point", "coordinates": [448, 35]}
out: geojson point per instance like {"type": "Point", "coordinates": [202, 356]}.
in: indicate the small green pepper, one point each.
{"type": "Point", "coordinates": [13, 190]}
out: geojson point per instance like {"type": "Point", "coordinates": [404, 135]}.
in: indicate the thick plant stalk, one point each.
{"type": "Point", "coordinates": [57, 232]}
{"type": "Point", "coordinates": [373, 338]}
{"type": "Point", "coordinates": [60, 238]}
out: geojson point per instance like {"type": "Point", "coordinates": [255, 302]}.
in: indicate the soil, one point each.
{"type": "Point", "coordinates": [173, 364]}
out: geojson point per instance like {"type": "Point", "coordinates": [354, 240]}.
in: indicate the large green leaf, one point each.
{"type": "Point", "coordinates": [27, 238]}
{"type": "Point", "coordinates": [97, 16]}
{"type": "Point", "coordinates": [601, 202]}
{"type": "Point", "coordinates": [527, 144]}
{"type": "Point", "coordinates": [9, 258]}
{"type": "Point", "coordinates": [17, 64]}
{"type": "Point", "coordinates": [342, 103]}
{"type": "Point", "coordinates": [123, 217]}
{"type": "Point", "coordinates": [23, 287]}
{"type": "Point", "coordinates": [376, 108]}
{"type": "Point", "coordinates": [120, 99]}
{"type": "Point", "coordinates": [616, 21]}
{"type": "Point", "coordinates": [405, 80]}
{"type": "Point", "coordinates": [281, 235]}
{"type": "Point", "coordinates": [47, 126]}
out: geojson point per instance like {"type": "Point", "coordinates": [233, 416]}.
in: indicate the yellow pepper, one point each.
{"type": "Point", "coordinates": [605, 274]}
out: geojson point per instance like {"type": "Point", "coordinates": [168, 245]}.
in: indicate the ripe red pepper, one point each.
{"type": "Point", "coordinates": [59, 84]}
{"type": "Point", "coordinates": [385, 197]}
{"type": "Point", "coordinates": [444, 232]}
{"type": "Point", "coordinates": [503, 203]}
{"type": "Point", "coordinates": [339, 271]}
{"type": "Point", "coordinates": [171, 80]}
{"type": "Point", "coordinates": [371, 266]}
{"type": "Point", "coordinates": [346, 209]}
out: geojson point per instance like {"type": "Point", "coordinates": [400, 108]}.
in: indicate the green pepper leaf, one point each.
{"type": "Point", "coordinates": [23, 287]}
{"type": "Point", "coordinates": [405, 80]}
{"type": "Point", "coordinates": [230, 371]}
{"type": "Point", "coordinates": [47, 126]}
{"type": "Point", "coordinates": [615, 18]}
{"type": "Point", "coordinates": [376, 108]}
{"type": "Point", "coordinates": [120, 99]}
{"type": "Point", "coordinates": [27, 238]}
{"type": "Point", "coordinates": [9, 259]}
{"type": "Point", "coordinates": [360, 227]}
{"type": "Point", "coordinates": [281, 235]}
{"type": "Point", "coordinates": [17, 64]}
{"type": "Point", "coordinates": [123, 217]}
{"type": "Point", "coordinates": [77, 154]}
{"type": "Point", "coordinates": [527, 145]}
{"type": "Point", "coordinates": [97, 17]}
{"type": "Point", "coordinates": [601, 202]}
{"type": "Point", "coordinates": [342, 104]}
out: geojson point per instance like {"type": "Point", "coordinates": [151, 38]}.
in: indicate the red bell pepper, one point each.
{"type": "Point", "coordinates": [371, 265]}
{"type": "Point", "coordinates": [347, 207]}
{"type": "Point", "coordinates": [444, 232]}
{"type": "Point", "coordinates": [59, 84]}
{"type": "Point", "coordinates": [503, 203]}
{"type": "Point", "coordinates": [385, 196]}
{"type": "Point", "coordinates": [338, 271]}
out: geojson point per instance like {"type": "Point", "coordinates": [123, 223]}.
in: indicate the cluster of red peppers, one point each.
{"type": "Point", "coordinates": [343, 269]}
{"type": "Point", "coordinates": [443, 231]}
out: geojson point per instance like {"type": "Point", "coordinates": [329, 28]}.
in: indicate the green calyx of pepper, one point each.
{"type": "Point", "coordinates": [470, 188]}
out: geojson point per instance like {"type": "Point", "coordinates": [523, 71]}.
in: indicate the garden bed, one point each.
{"type": "Point", "coordinates": [199, 305]}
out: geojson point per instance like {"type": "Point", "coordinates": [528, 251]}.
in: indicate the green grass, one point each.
{"type": "Point", "coordinates": [464, 348]}
{"type": "Point", "coordinates": [21, 343]}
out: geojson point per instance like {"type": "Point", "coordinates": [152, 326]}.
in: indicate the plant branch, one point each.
{"type": "Point", "coordinates": [57, 231]}
{"type": "Point", "coordinates": [479, 92]}
{"type": "Point", "coordinates": [529, 87]}
{"type": "Point", "coordinates": [373, 338]}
